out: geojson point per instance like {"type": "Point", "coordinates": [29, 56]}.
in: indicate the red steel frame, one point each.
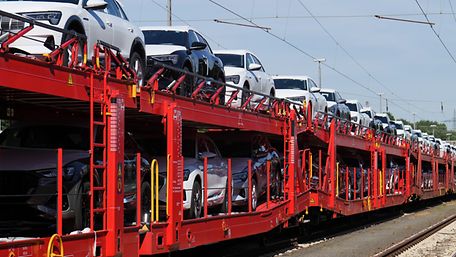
{"type": "Point", "coordinates": [18, 73]}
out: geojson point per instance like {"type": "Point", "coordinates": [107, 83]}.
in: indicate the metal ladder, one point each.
{"type": "Point", "coordinates": [98, 156]}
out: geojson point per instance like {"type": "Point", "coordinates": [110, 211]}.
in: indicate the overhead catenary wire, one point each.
{"type": "Point", "coordinates": [435, 32]}
{"type": "Point", "coordinates": [188, 24]}
{"type": "Point", "coordinates": [351, 56]}
{"type": "Point", "coordinates": [305, 53]}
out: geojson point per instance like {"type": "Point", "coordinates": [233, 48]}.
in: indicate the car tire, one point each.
{"type": "Point", "coordinates": [146, 202]}
{"type": "Point", "coordinates": [137, 64]}
{"type": "Point", "coordinates": [188, 85]}
{"type": "Point", "coordinates": [222, 94]}
{"type": "Point", "coordinates": [244, 94]}
{"type": "Point", "coordinates": [196, 205]}
{"type": "Point", "coordinates": [67, 53]}
{"type": "Point", "coordinates": [254, 195]}
{"type": "Point", "coordinates": [82, 210]}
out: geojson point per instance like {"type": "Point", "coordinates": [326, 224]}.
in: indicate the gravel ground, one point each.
{"type": "Point", "coordinates": [375, 238]}
{"type": "Point", "coordinates": [442, 243]}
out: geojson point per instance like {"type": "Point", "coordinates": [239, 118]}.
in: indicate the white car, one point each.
{"type": "Point", "coordinates": [103, 20]}
{"type": "Point", "coordinates": [399, 128]}
{"type": "Point", "coordinates": [302, 90]}
{"type": "Point", "coordinates": [408, 131]}
{"type": "Point", "coordinates": [244, 69]}
{"type": "Point", "coordinates": [355, 113]}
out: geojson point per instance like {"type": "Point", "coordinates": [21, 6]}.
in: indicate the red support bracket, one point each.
{"type": "Point", "coordinates": [198, 89]}
{"type": "Point", "coordinates": [151, 82]}
{"type": "Point", "coordinates": [178, 83]}
{"type": "Point", "coordinates": [215, 97]}
{"type": "Point", "coordinates": [232, 97]}
{"type": "Point", "coordinates": [5, 45]}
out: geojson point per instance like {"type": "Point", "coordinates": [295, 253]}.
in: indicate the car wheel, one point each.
{"type": "Point", "coordinates": [222, 94]}
{"type": "Point", "coordinates": [245, 95]}
{"type": "Point", "coordinates": [188, 85]}
{"type": "Point", "coordinates": [137, 64]}
{"type": "Point", "coordinates": [254, 195]}
{"type": "Point", "coordinates": [82, 210]}
{"type": "Point", "coordinates": [67, 55]}
{"type": "Point", "coordinates": [196, 205]}
{"type": "Point", "coordinates": [146, 202]}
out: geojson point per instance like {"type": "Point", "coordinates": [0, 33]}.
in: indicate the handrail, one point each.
{"type": "Point", "coordinates": [154, 190]}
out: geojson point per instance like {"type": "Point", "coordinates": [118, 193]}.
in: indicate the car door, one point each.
{"type": "Point", "coordinates": [257, 74]}
{"type": "Point", "coordinates": [98, 23]}
{"type": "Point", "coordinates": [266, 80]}
{"type": "Point", "coordinates": [124, 31]}
{"type": "Point", "coordinates": [210, 61]}
{"type": "Point", "coordinates": [200, 55]}
{"type": "Point", "coordinates": [216, 167]}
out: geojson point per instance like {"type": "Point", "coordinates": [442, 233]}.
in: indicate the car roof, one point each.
{"type": "Point", "coordinates": [398, 121]}
{"type": "Point", "coordinates": [352, 101]}
{"type": "Point", "coordinates": [381, 114]}
{"type": "Point", "coordinates": [233, 51]}
{"type": "Point", "coordinates": [298, 77]}
{"type": "Point", "coordinates": [328, 90]}
{"type": "Point", "coordinates": [168, 28]}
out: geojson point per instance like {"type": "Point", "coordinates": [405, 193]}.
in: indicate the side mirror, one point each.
{"type": "Point", "coordinates": [315, 90]}
{"type": "Point", "coordinates": [254, 66]}
{"type": "Point", "coordinates": [95, 5]}
{"type": "Point", "coordinates": [342, 101]}
{"type": "Point", "coordinates": [198, 46]}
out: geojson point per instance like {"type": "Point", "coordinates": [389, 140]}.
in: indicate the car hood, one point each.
{"type": "Point", "coordinates": [284, 93]}
{"type": "Point", "coordinates": [330, 103]}
{"type": "Point", "coordinates": [239, 165]}
{"type": "Point", "coordinates": [28, 159]}
{"type": "Point", "coordinates": [33, 6]}
{"type": "Point", "coordinates": [229, 71]}
{"type": "Point", "coordinates": [152, 50]}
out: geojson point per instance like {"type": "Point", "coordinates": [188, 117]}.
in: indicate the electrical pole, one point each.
{"type": "Point", "coordinates": [170, 17]}
{"type": "Point", "coordinates": [414, 123]}
{"type": "Point", "coordinates": [380, 94]}
{"type": "Point", "coordinates": [320, 60]}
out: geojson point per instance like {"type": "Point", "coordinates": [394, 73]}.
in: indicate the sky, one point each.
{"type": "Point", "coordinates": [365, 55]}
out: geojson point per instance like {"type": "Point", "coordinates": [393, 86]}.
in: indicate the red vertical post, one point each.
{"type": "Point", "coordinates": [59, 190]}
{"type": "Point", "coordinates": [205, 183]}
{"type": "Point", "coordinates": [319, 170]}
{"type": "Point", "coordinates": [446, 174]}
{"type": "Point", "coordinates": [375, 178]}
{"type": "Point", "coordinates": [384, 174]}
{"type": "Point", "coordinates": [229, 194]}
{"type": "Point", "coordinates": [346, 184]}
{"type": "Point", "coordinates": [354, 183]}
{"type": "Point", "coordinates": [268, 183]}
{"type": "Point", "coordinates": [175, 171]}
{"type": "Point", "coordinates": [292, 156]}
{"type": "Point", "coordinates": [115, 177]}
{"type": "Point", "coordinates": [332, 163]}
{"type": "Point", "coordinates": [138, 189]}
{"type": "Point", "coordinates": [249, 175]}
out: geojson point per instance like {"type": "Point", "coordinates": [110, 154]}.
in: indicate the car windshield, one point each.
{"type": "Point", "coordinates": [352, 107]}
{"type": "Point", "coordinates": [329, 96]}
{"type": "Point", "coordinates": [46, 136]}
{"type": "Point", "coordinates": [398, 125]}
{"type": "Point", "coordinates": [290, 84]}
{"type": "Point", "coordinates": [382, 119]}
{"type": "Point", "coordinates": [232, 60]}
{"type": "Point", "coordinates": [56, 1]}
{"type": "Point", "coordinates": [159, 37]}
{"type": "Point", "coordinates": [368, 113]}
{"type": "Point", "coordinates": [418, 134]}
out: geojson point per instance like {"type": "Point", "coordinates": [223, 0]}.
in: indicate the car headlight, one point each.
{"type": "Point", "coordinates": [68, 171]}
{"type": "Point", "coordinates": [233, 78]}
{"type": "Point", "coordinates": [355, 119]}
{"type": "Point", "coordinates": [167, 58]}
{"type": "Point", "coordinates": [186, 174]}
{"type": "Point", "coordinates": [52, 17]}
{"type": "Point", "coordinates": [300, 99]}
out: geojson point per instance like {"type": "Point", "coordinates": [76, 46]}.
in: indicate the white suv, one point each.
{"type": "Point", "coordinates": [356, 114]}
{"type": "Point", "coordinates": [103, 20]}
{"type": "Point", "coordinates": [302, 90]}
{"type": "Point", "coordinates": [244, 69]}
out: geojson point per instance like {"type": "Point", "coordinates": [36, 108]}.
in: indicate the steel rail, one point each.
{"type": "Point", "coordinates": [415, 239]}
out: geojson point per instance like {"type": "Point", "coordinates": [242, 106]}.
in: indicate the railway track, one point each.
{"type": "Point", "coordinates": [410, 242]}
